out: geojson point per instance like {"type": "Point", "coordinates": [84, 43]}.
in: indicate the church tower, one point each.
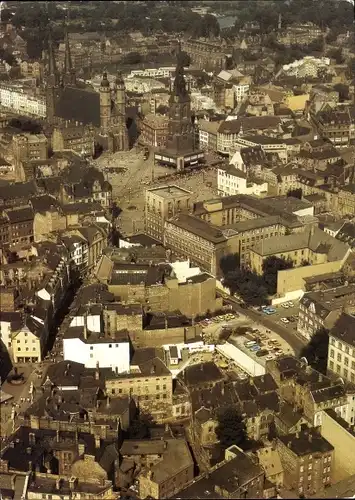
{"type": "Point", "coordinates": [120, 127]}
{"type": "Point", "coordinates": [105, 104]}
{"type": "Point", "coordinates": [181, 135]}
{"type": "Point", "coordinates": [52, 80]}
{"type": "Point", "coordinates": [69, 77]}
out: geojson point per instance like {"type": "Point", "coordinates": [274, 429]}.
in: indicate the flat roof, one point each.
{"type": "Point", "coordinates": [169, 191]}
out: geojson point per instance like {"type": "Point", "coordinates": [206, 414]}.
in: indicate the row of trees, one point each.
{"type": "Point", "coordinates": [337, 15]}
{"type": "Point", "coordinates": [254, 289]}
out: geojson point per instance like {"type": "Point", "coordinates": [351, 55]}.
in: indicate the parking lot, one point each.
{"type": "Point", "coordinates": [285, 314]}
{"type": "Point", "coordinates": [264, 342]}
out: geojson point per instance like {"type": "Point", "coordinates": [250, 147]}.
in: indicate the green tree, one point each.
{"type": "Point", "coordinates": [271, 266]}
{"type": "Point", "coordinates": [248, 285]}
{"type": "Point", "coordinates": [316, 351]}
{"type": "Point", "coordinates": [231, 428]}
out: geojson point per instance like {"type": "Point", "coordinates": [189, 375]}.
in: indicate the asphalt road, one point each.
{"type": "Point", "coordinates": [288, 333]}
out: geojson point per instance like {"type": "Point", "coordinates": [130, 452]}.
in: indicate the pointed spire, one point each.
{"type": "Point", "coordinates": [119, 78]}
{"type": "Point", "coordinates": [68, 67]}
{"type": "Point", "coordinates": [179, 82]}
{"type": "Point", "coordinates": [104, 81]}
{"type": "Point", "coordinates": [52, 68]}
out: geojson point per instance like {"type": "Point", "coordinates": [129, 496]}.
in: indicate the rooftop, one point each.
{"type": "Point", "coordinates": [317, 241]}
{"type": "Point", "coordinates": [176, 457]}
{"type": "Point", "coordinates": [171, 191]}
{"type": "Point", "coordinates": [344, 329]}
{"type": "Point", "coordinates": [198, 227]}
{"type": "Point", "coordinates": [229, 475]}
{"type": "Point", "coordinates": [306, 442]}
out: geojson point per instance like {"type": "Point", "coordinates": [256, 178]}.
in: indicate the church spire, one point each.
{"type": "Point", "coordinates": [179, 86]}
{"type": "Point", "coordinates": [52, 68]}
{"type": "Point", "coordinates": [68, 72]}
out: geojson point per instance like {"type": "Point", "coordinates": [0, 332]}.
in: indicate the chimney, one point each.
{"type": "Point", "coordinates": [97, 371]}
{"type": "Point", "coordinates": [289, 444]}
{"type": "Point", "coordinates": [297, 435]}
{"type": "Point", "coordinates": [165, 445]}
{"type": "Point", "coordinates": [320, 377]}
{"type": "Point", "coordinates": [108, 401]}
{"type": "Point", "coordinates": [97, 441]}
{"type": "Point", "coordinates": [13, 481]}
{"type": "Point", "coordinates": [29, 450]}
{"type": "Point", "coordinates": [58, 483]}
{"type": "Point", "coordinates": [57, 436]}
{"type": "Point", "coordinates": [310, 437]}
{"type": "Point", "coordinates": [166, 323]}
{"type": "Point", "coordinates": [30, 466]}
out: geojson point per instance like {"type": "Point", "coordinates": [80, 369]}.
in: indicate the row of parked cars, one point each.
{"type": "Point", "coordinates": [219, 319]}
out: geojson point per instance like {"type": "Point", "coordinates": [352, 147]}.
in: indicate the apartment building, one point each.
{"type": "Point", "coordinates": [161, 204]}
{"type": "Point", "coordinates": [341, 350]}
{"type": "Point", "coordinates": [321, 309]}
{"type": "Point", "coordinates": [150, 385]}
{"type": "Point", "coordinates": [207, 134]}
{"type": "Point", "coordinates": [307, 459]}
{"type": "Point", "coordinates": [170, 473]}
{"type": "Point", "coordinates": [189, 237]}
{"type": "Point", "coordinates": [94, 348]}
{"type": "Point", "coordinates": [19, 100]}
{"type": "Point", "coordinates": [26, 147]}
{"type": "Point", "coordinates": [74, 137]}
{"type": "Point", "coordinates": [336, 124]}
{"type": "Point", "coordinates": [28, 342]}
{"type": "Point", "coordinates": [154, 130]}
{"type": "Point", "coordinates": [231, 181]}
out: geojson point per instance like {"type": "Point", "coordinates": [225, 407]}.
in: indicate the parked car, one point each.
{"type": "Point", "coordinates": [262, 352]}
{"type": "Point", "coordinates": [285, 305]}
{"type": "Point", "coordinates": [284, 320]}
{"type": "Point", "coordinates": [290, 304]}
{"type": "Point", "coordinates": [269, 357]}
{"type": "Point", "coordinates": [255, 348]}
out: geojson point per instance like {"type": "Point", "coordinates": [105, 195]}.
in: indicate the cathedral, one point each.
{"type": "Point", "coordinates": [69, 100]}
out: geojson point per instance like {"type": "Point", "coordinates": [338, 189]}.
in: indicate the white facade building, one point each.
{"type": "Point", "coordinates": [17, 99]}
{"type": "Point", "coordinates": [84, 343]}
{"type": "Point", "coordinates": [308, 66]}
{"type": "Point", "coordinates": [105, 352]}
{"type": "Point", "coordinates": [232, 180]}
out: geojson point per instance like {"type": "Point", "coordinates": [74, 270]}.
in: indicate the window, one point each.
{"type": "Point", "coordinates": [346, 361]}
{"type": "Point", "coordinates": [331, 365]}
{"type": "Point", "coordinates": [110, 345]}
{"type": "Point", "coordinates": [339, 357]}
{"type": "Point", "coordinates": [331, 353]}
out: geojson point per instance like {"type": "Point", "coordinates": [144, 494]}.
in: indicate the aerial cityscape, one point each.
{"type": "Point", "coordinates": [177, 249]}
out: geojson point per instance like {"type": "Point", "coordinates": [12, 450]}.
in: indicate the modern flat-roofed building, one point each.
{"type": "Point", "coordinates": [189, 237]}
{"type": "Point", "coordinates": [162, 203]}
